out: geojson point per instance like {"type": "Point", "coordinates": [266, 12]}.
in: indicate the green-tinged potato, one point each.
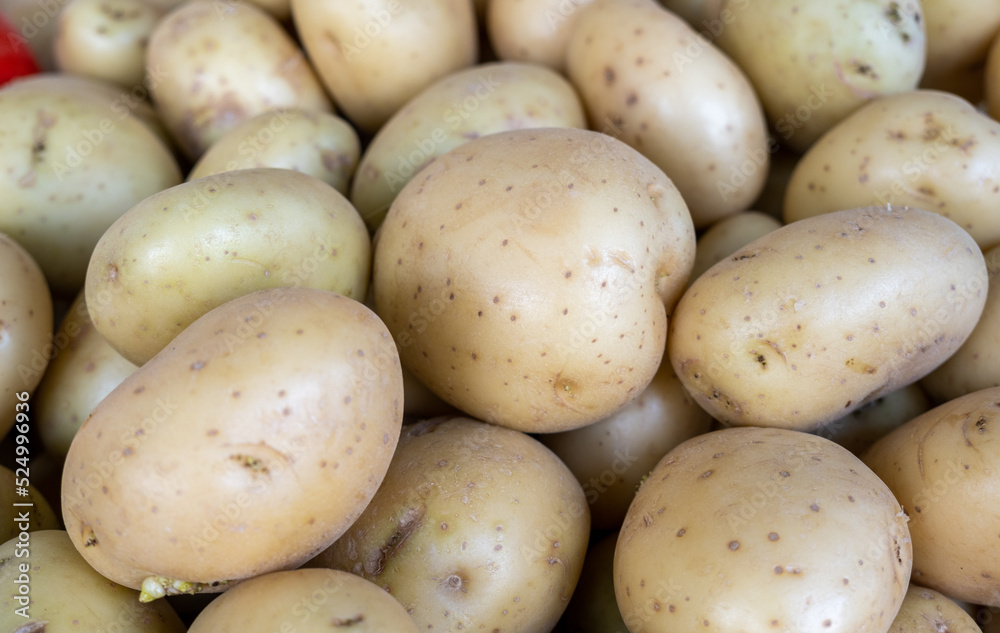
{"type": "Point", "coordinates": [976, 365]}
{"type": "Point", "coordinates": [464, 105]}
{"type": "Point", "coordinates": [647, 78]}
{"type": "Point", "coordinates": [814, 63]}
{"type": "Point", "coordinates": [376, 55]}
{"type": "Point", "coordinates": [475, 528]}
{"type": "Point", "coordinates": [729, 235]}
{"type": "Point", "coordinates": [534, 31]}
{"type": "Point", "coordinates": [70, 165]}
{"type": "Point", "coordinates": [221, 63]}
{"type": "Point", "coordinates": [304, 601]}
{"type": "Point", "coordinates": [287, 398]}
{"type": "Point", "coordinates": [527, 276]}
{"type": "Point", "coordinates": [821, 316]}
{"type": "Point", "coordinates": [924, 149]}
{"type": "Point", "coordinates": [753, 529]}
{"type": "Point", "coordinates": [593, 608]}
{"type": "Point", "coordinates": [610, 457]}
{"type": "Point", "coordinates": [939, 465]}
{"type": "Point", "coordinates": [861, 428]}
{"type": "Point", "coordinates": [25, 332]}
{"type": "Point", "coordinates": [65, 594]}
{"type": "Point", "coordinates": [35, 514]}
{"type": "Point", "coordinates": [84, 370]}
{"type": "Point", "coordinates": [927, 611]}
{"type": "Point", "coordinates": [316, 143]}
{"type": "Point", "coordinates": [106, 39]}
{"type": "Point", "coordinates": [181, 252]}
{"type": "Point", "coordinates": [959, 34]}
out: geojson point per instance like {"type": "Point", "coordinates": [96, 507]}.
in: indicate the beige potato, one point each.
{"type": "Point", "coordinates": [69, 167]}
{"type": "Point", "coordinates": [38, 516]}
{"type": "Point", "coordinates": [992, 80]}
{"type": "Point", "coordinates": [106, 39]}
{"type": "Point", "coordinates": [924, 149]}
{"type": "Point", "coordinates": [959, 34]}
{"type": "Point", "coordinates": [927, 611]}
{"type": "Point", "coordinates": [172, 484]}
{"type": "Point", "coordinates": [593, 608]}
{"type": "Point", "coordinates": [221, 63]}
{"type": "Point", "coordinates": [754, 529]}
{"type": "Point", "coordinates": [864, 426]}
{"type": "Point", "coordinates": [84, 370]}
{"type": "Point", "coordinates": [814, 63]}
{"type": "Point", "coordinates": [25, 331]}
{"type": "Point", "coordinates": [306, 601]}
{"type": "Point", "coordinates": [526, 276]}
{"type": "Point", "coordinates": [728, 235]}
{"type": "Point", "coordinates": [464, 105]}
{"type": "Point", "coordinates": [180, 253]}
{"type": "Point", "coordinates": [534, 31]}
{"type": "Point", "coordinates": [648, 79]}
{"type": "Point", "coordinates": [475, 528]}
{"type": "Point", "coordinates": [939, 465]}
{"type": "Point", "coordinates": [66, 594]}
{"type": "Point", "coordinates": [821, 316]}
{"type": "Point", "coordinates": [976, 365]}
{"type": "Point", "coordinates": [376, 55]}
{"type": "Point", "coordinates": [316, 143]}
{"type": "Point", "coordinates": [610, 457]}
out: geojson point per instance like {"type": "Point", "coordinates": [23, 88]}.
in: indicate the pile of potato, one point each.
{"type": "Point", "coordinates": [595, 316]}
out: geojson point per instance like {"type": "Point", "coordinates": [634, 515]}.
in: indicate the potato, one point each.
{"type": "Point", "coordinates": [526, 276]}
{"type": "Point", "coordinates": [476, 528]}
{"type": "Point", "coordinates": [464, 105]}
{"type": "Point", "coordinates": [180, 253]}
{"type": "Point", "coordinates": [593, 608]}
{"type": "Point", "coordinates": [25, 331]}
{"type": "Point", "coordinates": [959, 34]}
{"type": "Point", "coordinates": [861, 428]}
{"type": "Point", "coordinates": [923, 149]}
{"type": "Point", "coordinates": [532, 31]}
{"type": "Point", "coordinates": [700, 14]}
{"type": "Point", "coordinates": [66, 594]}
{"type": "Point", "coordinates": [106, 39]}
{"type": "Point", "coordinates": [927, 611]}
{"type": "Point", "coordinates": [419, 402]}
{"type": "Point", "coordinates": [647, 78]}
{"type": "Point", "coordinates": [69, 167]}
{"type": "Point", "coordinates": [976, 365]}
{"type": "Point", "coordinates": [728, 235]}
{"type": "Point", "coordinates": [24, 518]}
{"type": "Point", "coordinates": [845, 307]}
{"type": "Point", "coordinates": [305, 601]}
{"type": "Point", "coordinates": [84, 370]}
{"type": "Point", "coordinates": [374, 56]}
{"type": "Point", "coordinates": [222, 63]}
{"type": "Point", "coordinates": [610, 457]}
{"type": "Point", "coordinates": [992, 80]}
{"type": "Point", "coordinates": [940, 465]}
{"type": "Point", "coordinates": [814, 63]}
{"type": "Point", "coordinates": [172, 484]}
{"type": "Point", "coordinates": [316, 143]}
{"type": "Point", "coordinates": [756, 529]}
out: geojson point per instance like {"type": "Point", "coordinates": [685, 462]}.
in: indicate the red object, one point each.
{"type": "Point", "coordinates": [16, 59]}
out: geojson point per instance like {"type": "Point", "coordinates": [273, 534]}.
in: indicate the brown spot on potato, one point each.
{"type": "Point", "coordinates": [734, 545]}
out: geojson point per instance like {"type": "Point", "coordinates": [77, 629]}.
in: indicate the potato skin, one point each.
{"type": "Point", "coordinates": [959, 34]}
{"type": "Point", "coordinates": [927, 611]}
{"type": "Point", "coordinates": [183, 251]}
{"type": "Point", "coordinates": [595, 244]}
{"type": "Point", "coordinates": [476, 527]}
{"type": "Point", "coordinates": [844, 307]}
{"type": "Point", "coordinates": [940, 464]}
{"type": "Point", "coordinates": [177, 472]}
{"type": "Point", "coordinates": [68, 595]}
{"type": "Point", "coordinates": [305, 601]}
{"type": "Point", "coordinates": [755, 529]}
{"type": "Point", "coordinates": [535, 31]}
{"type": "Point", "coordinates": [922, 148]}
{"type": "Point", "coordinates": [217, 64]}
{"type": "Point", "coordinates": [648, 79]}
